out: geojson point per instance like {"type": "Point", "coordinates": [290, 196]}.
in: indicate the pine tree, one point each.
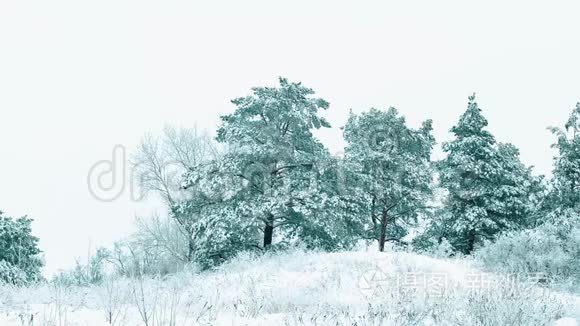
{"type": "Point", "coordinates": [19, 253]}
{"type": "Point", "coordinates": [217, 209]}
{"type": "Point", "coordinates": [273, 154]}
{"type": "Point", "coordinates": [391, 164]}
{"type": "Point", "coordinates": [489, 189]}
{"type": "Point", "coordinates": [563, 201]}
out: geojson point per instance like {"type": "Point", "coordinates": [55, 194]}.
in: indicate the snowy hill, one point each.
{"type": "Point", "coordinates": [348, 288]}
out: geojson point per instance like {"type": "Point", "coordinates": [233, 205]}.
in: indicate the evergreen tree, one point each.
{"type": "Point", "coordinates": [563, 201]}
{"type": "Point", "coordinates": [333, 215]}
{"type": "Point", "coordinates": [19, 254]}
{"type": "Point", "coordinates": [489, 189]}
{"type": "Point", "coordinates": [221, 227]}
{"type": "Point", "coordinates": [391, 164]}
{"type": "Point", "coordinates": [273, 154]}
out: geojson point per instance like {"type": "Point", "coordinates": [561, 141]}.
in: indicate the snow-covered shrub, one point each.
{"type": "Point", "coordinates": [134, 258]}
{"type": "Point", "coordinates": [547, 249]}
{"type": "Point", "coordinates": [506, 303]}
{"type": "Point", "coordinates": [442, 249]}
{"type": "Point", "coordinates": [94, 271]}
{"type": "Point", "coordinates": [161, 246]}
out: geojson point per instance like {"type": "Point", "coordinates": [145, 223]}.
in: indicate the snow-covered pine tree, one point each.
{"type": "Point", "coordinates": [220, 225]}
{"type": "Point", "coordinates": [20, 260]}
{"type": "Point", "coordinates": [563, 201]}
{"type": "Point", "coordinates": [331, 214]}
{"type": "Point", "coordinates": [274, 155]}
{"type": "Point", "coordinates": [393, 169]}
{"type": "Point", "coordinates": [489, 189]}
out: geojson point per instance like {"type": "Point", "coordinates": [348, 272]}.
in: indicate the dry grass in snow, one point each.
{"type": "Point", "coordinates": [300, 288]}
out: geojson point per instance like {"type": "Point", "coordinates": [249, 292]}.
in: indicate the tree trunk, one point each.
{"type": "Point", "coordinates": [470, 242]}
{"type": "Point", "coordinates": [383, 230]}
{"type": "Point", "coordinates": [190, 249]}
{"type": "Point", "coordinates": [268, 232]}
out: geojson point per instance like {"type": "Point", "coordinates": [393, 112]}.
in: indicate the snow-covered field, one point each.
{"type": "Point", "coordinates": [349, 288]}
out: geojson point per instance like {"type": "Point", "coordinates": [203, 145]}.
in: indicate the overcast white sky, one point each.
{"type": "Point", "coordinates": [78, 77]}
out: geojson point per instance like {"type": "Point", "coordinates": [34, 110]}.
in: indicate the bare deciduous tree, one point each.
{"type": "Point", "coordinates": [159, 165]}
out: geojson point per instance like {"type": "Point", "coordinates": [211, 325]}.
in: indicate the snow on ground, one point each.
{"type": "Point", "coordinates": [347, 288]}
